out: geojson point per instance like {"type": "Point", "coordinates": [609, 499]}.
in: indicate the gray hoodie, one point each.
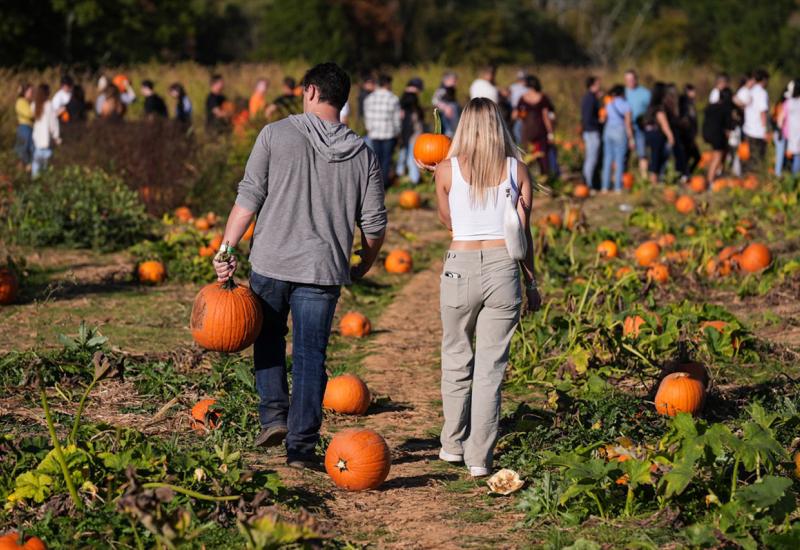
{"type": "Point", "coordinates": [310, 182]}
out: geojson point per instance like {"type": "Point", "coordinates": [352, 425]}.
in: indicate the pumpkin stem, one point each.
{"type": "Point", "coordinates": [437, 121]}
{"type": "Point", "coordinates": [341, 465]}
{"type": "Point", "coordinates": [229, 284]}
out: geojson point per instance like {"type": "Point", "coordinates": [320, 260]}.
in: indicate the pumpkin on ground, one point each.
{"type": "Point", "coordinates": [670, 194]}
{"type": "Point", "coordinates": [607, 249]}
{"type": "Point", "coordinates": [581, 191]}
{"type": "Point", "coordinates": [9, 286]}
{"type": "Point", "coordinates": [10, 541]}
{"type": "Point", "coordinates": [627, 180]}
{"type": "Point", "coordinates": [658, 272]}
{"type": "Point", "coordinates": [410, 199]}
{"type": "Point", "coordinates": [647, 253]}
{"type": "Point", "coordinates": [554, 219]}
{"type": "Point", "coordinates": [201, 224]}
{"type": "Point", "coordinates": [744, 151]}
{"type": "Point", "coordinates": [680, 392]}
{"type": "Point", "coordinates": [183, 214]}
{"type": "Point", "coordinates": [347, 394]}
{"type": "Point", "coordinates": [203, 419]}
{"type": "Point", "coordinates": [225, 317]}
{"type": "Point", "coordinates": [698, 184]}
{"type": "Point", "coordinates": [633, 323]}
{"type": "Point", "coordinates": [685, 204]}
{"type": "Point", "coordinates": [719, 326]}
{"type": "Point", "coordinates": [399, 261]}
{"type": "Point", "coordinates": [431, 149]}
{"type": "Point", "coordinates": [151, 272]}
{"type": "Point", "coordinates": [207, 251]}
{"type": "Point", "coordinates": [622, 271]}
{"type": "Point", "coordinates": [358, 459]}
{"type": "Point", "coordinates": [216, 242]}
{"type": "Point", "coordinates": [355, 325]}
{"type": "Point", "coordinates": [756, 257]}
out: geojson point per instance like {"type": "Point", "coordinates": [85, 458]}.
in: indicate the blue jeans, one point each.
{"type": "Point", "coordinates": [795, 164]}
{"type": "Point", "coordinates": [24, 144]}
{"type": "Point", "coordinates": [615, 145]}
{"type": "Point", "coordinates": [516, 129]}
{"type": "Point", "coordinates": [780, 152]}
{"type": "Point", "coordinates": [41, 157]}
{"type": "Point", "coordinates": [591, 142]}
{"type": "Point", "coordinates": [383, 150]}
{"type": "Point", "coordinates": [405, 161]}
{"type": "Point", "coordinates": [641, 142]}
{"type": "Point", "coordinates": [312, 309]}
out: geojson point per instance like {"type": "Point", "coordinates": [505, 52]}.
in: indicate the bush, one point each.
{"type": "Point", "coordinates": [76, 207]}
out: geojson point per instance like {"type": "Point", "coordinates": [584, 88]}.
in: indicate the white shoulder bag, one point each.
{"type": "Point", "coordinates": [515, 235]}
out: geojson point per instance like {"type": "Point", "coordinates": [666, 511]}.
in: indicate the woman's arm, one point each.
{"type": "Point", "coordinates": [547, 123]}
{"type": "Point", "coordinates": [663, 123]}
{"type": "Point", "coordinates": [629, 130]}
{"type": "Point", "coordinates": [524, 207]}
{"type": "Point", "coordinates": [442, 176]}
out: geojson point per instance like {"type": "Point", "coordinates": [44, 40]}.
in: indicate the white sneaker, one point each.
{"type": "Point", "coordinates": [478, 471]}
{"type": "Point", "coordinates": [450, 457]}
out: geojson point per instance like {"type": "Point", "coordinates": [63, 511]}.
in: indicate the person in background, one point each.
{"type": "Point", "coordinates": [484, 85]}
{"type": "Point", "coordinates": [77, 107]}
{"type": "Point", "coordinates": [61, 97]}
{"type": "Point", "coordinates": [590, 128]}
{"type": "Point", "coordinates": [45, 129]}
{"type": "Point", "coordinates": [537, 127]}
{"type": "Point", "coordinates": [552, 150]}
{"type": "Point", "coordinates": [154, 106]}
{"type": "Point", "coordinates": [344, 114]}
{"type": "Point", "coordinates": [102, 89]}
{"type": "Point", "coordinates": [288, 103]}
{"type": "Point", "coordinates": [411, 126]}
{"type": "Point", "coordinates": [617, 138]}
{"type": "Point", "coordinates": [717, 125]}
{"type": "Point", "coordinates": [672, 109]}
{"type": "Point", "coordinates": [789, 120]}
{"type": "Point", "coordinates": [382, 120]}
{"type": "Point", "coordinates": [258, 99]}
{"type": "Point", "coordinates": [444, 99]}
{"type": "Point", "coordinates": [24, 111]}
{"type": "Point", "coordinates": [113, 107]}
{"type": "Point", "coordinates": [366, 87]}
{"type": "Point", "coordinates": [126, 93]}
{"type": "Point", "coordinates": [310, 180]}
{"type": "Point", "coordinates": [515, 93]}
{"type": "Point", "coordinates": [217, 118]}
{"type": "Point", "coordinates": [778, 124]}
{"type": "Point", "coordinates": [183, 105]}
{"type": "Point", "coordinates": [687, 130]}
{"type": "Point", "coordinates": [658, 131]}
{"type": "Point", "coordinates": [756, 111]}
{"type": "Point", "coordinates": [722, 81]}
{"type": "Point", "coordinates": [638, 97]}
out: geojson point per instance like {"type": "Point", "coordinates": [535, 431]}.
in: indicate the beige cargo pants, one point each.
{"type": "Point", "coordinates": [480, 302]}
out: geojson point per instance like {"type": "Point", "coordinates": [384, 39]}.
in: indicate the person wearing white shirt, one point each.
{"type": "Point", "coordinates": [63, 95]}
{"type": "Point", "coordinates": [515, 93]}
{"type": "Point", "coordinates": [45, 129]}
{"type": "Point", "coordinates": [755, 102]}
{"type": "Point", "coordinates": [483, 86]}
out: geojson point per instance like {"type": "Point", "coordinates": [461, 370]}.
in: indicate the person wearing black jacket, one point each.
{"type": "Point", "coordinates": [411, 126]}
{"type": "Point", "coordinates": [717, 124]}
{"type": "Point", "coordinates": [154, 106]}
{"type": "Point", "coordinates": [687, 131]}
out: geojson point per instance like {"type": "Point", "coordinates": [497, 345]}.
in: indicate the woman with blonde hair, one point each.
{"type": "Point", "coordinates": [480, 286]}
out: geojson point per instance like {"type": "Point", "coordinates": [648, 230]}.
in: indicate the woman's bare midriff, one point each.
{"type": "Point", "coordinates": [477, 245]}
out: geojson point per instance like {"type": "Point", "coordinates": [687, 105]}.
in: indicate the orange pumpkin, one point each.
{"type": "Point", "coordinates": [554, 219]}
{"type": "Point", "coordinates": [355, 325]}
{"type": "Point", "coordinates": [744, 151]}
{"type": "Point", "coordinates": [666, 240]}
{"type": "Point", "coordinates": [10, 541]}
{"type": "Point", "coordinates": [698, 184]}
{"type": "Point", "coordinates": [670, 194]}
{"type": "Point", "coordinates": [685, 204]}
{"type": "Point", "coordinates": [581, 191]}
{"type": "Point", "coordinates": [248, 234]}
{"type": "Point", "coordinates": [756, 257]}
{"type": "Point", "coordinates": [347, 394]}
{"type": "Point", "coordinates": [680, 392]}
{"type": "Point", "coordinates": [225, 317]}
{"type": "Point", "coordinates": [183, 214]}
{"type": "Point", "coordinates": [216, 242]}
{"type": "Point", "coordinates": [627, 180]}
{"type": "Point", "coordinates": [622, 271]}
{"type": "Point", "coordinates": [719, 326]}
{"type": "Point", "coordinates": [203, 419]}
{"type": "Point", "coordinates": [705, 158]}
{"type": "Point", "coordinates": [431, 149]}
{"type": "Point", "coordinates": [647, 253]}
{"type": "Point", "coordinates": [151, 272]}
{"type": "Point", "coordinates": [750, 182]}
{"type": "Point", "coordinates": [719, 184]}
{"type": "Point", "coordinates": [727, 253]}
{"type": "Point", "coordinates": [633, 323]}
{"type": "Point", "coordinates": [607, 249]}
{"type": "Point", "coordinates": [207, 251]}
{"type": "Point", "coordinates": [121, 81]}
{"type": "Point", "coordinates": [201, 224]}
{"type": "Point", "coordinates": [690, 231]}
{"type": "Point", "coordinates": [358, 459]}
{"type": "Point", "coordinates": [9, 286]}
{"type": "Point", "coordinates": [658, 272]}
{"type": "Point", "coordinates": [574, 219]}
{"type": "Point", "coordinates": [399, 261]}
{"type": "Point", "coordinates": [410, 199]}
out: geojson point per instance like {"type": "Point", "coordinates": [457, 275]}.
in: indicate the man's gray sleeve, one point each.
{"type": "Point", "coordinates": [253, 187]}
{"type": "Point", "coordinates": [372, 219]}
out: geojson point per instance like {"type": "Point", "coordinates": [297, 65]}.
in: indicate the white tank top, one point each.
{"type": "Point", "coordinates": [480, 222]}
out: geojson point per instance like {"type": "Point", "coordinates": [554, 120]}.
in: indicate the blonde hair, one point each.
{"type": "Point", "coordinates": [483, 139]}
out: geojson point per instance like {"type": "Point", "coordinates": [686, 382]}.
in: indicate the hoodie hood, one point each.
{"type": "Point", "coordinates": [333, 140]}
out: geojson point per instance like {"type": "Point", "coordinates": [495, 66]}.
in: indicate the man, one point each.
{"type": "Point", "coordinates": [483, 86]}
{"type": "Point", "coordinates": [154, 106]}
{"type": "Point", "coordinates": [638, 97]}
{"type": "Point", "coordinates": [258, 99]}
{"type": "Point", "coordinates": [367, 87]}
{"type": "Point", "coordinates": [722, 82]}
{"type": "Point", "coordinates": [287, 103]}
{"type": "Point", "coordinates": [217, 117]}
{"type": "Point", "coordinates": [62, 97]}
{"type": "Point", "coordinates": [753, 98]}
{"type": "Point", "coordinates": [515, 93]}
{"type": "Point", "coordinates": [309, 180]}
{"type": "Point", "coordinates": [382, 120]}
{"type": "Point", "coordinates": [444, 100]}
{"type": "Point", "coordinates": [590, 125]}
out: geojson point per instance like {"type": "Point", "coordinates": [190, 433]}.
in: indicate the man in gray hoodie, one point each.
{"type": "Point", "coordinates": [309, 180]}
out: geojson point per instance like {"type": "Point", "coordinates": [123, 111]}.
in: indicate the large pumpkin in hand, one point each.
{"type": "Point", "coordinates": [680, 392]}
{"type": "Point", "coordinates": [151, 272]}
{"type": "Point", "coordinates": [10, 541]}
{"type": "Point", "coordinates": [358, 459]}
{"type": "Point", "coordinates": [347, 394]}
{"type": "Point", "coordinates": [756, 257]}
{"type": "Point", "coordinates": [225, 317]}
{"type": "Point", "coordinates": [399, 261]}
{"type": "Point", "coordinates": [9, 286]}
{"type": "Point", "coordinates": [355, 325]}
{"type": "Point", "coordinates": [431, 149]}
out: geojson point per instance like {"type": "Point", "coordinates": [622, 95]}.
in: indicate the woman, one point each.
{"type": "Point", "coordinates": [24, 111]}
{"type": "Point", "coordinates": [778, 122]}
{"type": "Point", "coordinates": [537, 126]}
{"type": "Point", "coordinates": [480, 289]}
{"type": "Point", "coordinates": [45, 129]}
{"type": "Point", "coordinates": [183, 106]}
{"type": "Point", "coordinates": [789, 119]}
{"type": "Point", "coordinates": [658, 133]}
{"type": "Point", "coordinates": [717, 125]}
{"type": "Point", "coordinates": [411, 126]}
{"type": "Point", "coordinates": [617, 138]}
{"type": "Point", "coordinates": [113, 108]}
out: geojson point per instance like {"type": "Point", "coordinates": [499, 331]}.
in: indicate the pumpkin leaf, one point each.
{"type": "Point", "coordinates": [31, 485]}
